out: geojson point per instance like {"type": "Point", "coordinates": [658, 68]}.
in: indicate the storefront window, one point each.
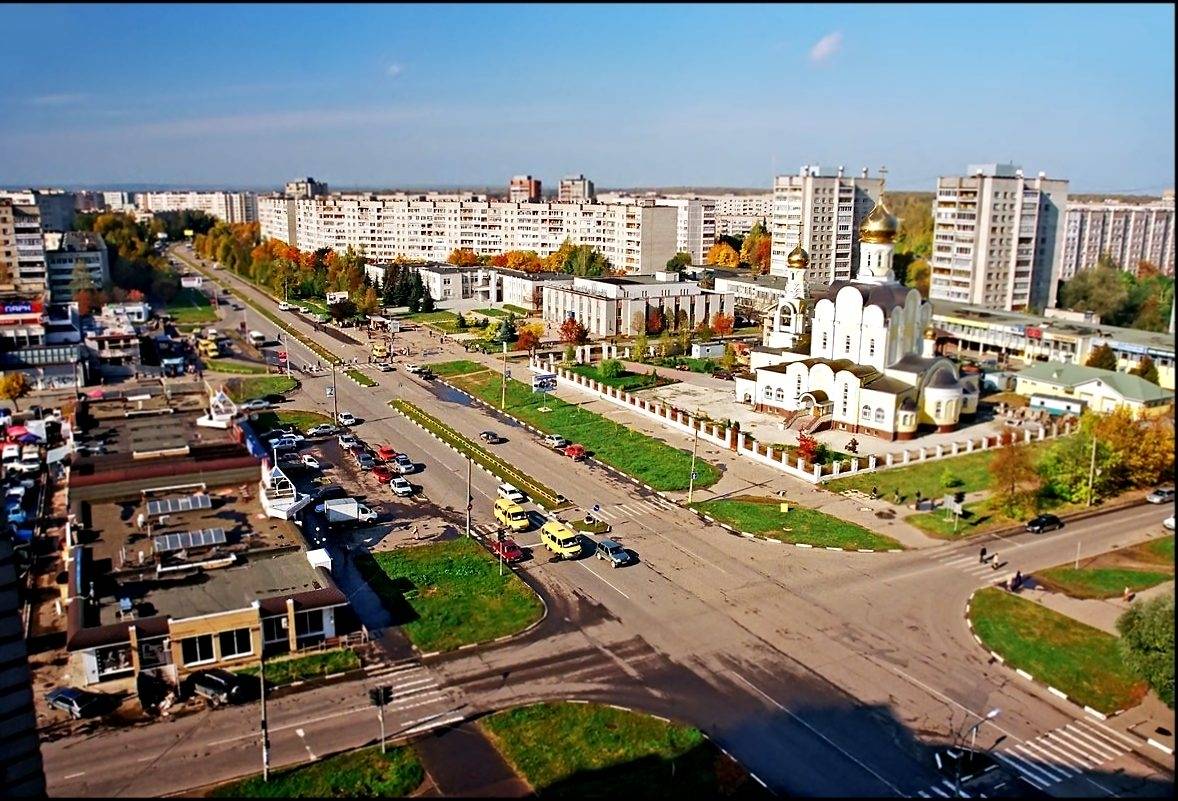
{"type": "Point", "coordinates": [194, 650]}
{"type": "Point", "coordinates": [235, 643]}
{"type": "Point", "coordinates": [113, 659]}
{"type": "Point", "coordinates": [154, 653]}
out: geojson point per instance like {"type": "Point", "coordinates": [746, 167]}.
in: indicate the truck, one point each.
{"type": "Point", "coordinates": [346, 510]}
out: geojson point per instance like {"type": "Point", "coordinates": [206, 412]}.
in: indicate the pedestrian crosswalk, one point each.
{"type": "Point", "coordinates": [973, 565]}
{"type": "Point", "coordinates": [1058, 755]}
{"type": "Point", "coordinates": [946, 789]}
{"type": "Point", "coordinates": [626, 511]}
{"type": "Point", "coordinates": [414, 687]}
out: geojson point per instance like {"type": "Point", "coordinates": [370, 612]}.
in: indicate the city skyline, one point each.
{"type": "Point", "coordinates": [468, 96]}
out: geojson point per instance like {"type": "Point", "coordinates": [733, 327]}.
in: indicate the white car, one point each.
{"type": "Point", "coordinates": [413, 368]}
{"type": "Point", "coordinates": [284, 306]}
{"type": "Point", "coordinates": [255, 405]}
{"type": "Point", "coordinates": [385, 367]}
{"type": "Point", "coordinates": [321, 430]}
{"type": "Point", "coordinates": [401, 487]}
{"type": "Point", "coordinates": [346, 419]}
{"type": "Point", "coordinates": [310, 461]}
{"type": "Point", "coordinates": [403, 464]}
{"type": "Point", "coordinates": [347, 440]}
{"type": "Point", "coordinates": [511, 493]}
{"type": "Point", "coordinates": [1169, 522]}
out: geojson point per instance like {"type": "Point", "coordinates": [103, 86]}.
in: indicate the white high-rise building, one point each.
{"type": "Point", "coordinates": [231, 207]}
{"type": "Point", "coordinates": [1127, 232]}
{"type": "Point", "coordinates": [737, 214]}
{"type": "Point", "coordinates": [998, 238]}
{"type": "Point", "coordinates": [575, 189]}
{"type": "Point", "coordinates": [636, 239]}
{"type": "Point", "coordinates": [826, 206]}
{"type": "Point", "coordinates": [306, 187]}
{"type": "Point", "coordinates": [695, 225]}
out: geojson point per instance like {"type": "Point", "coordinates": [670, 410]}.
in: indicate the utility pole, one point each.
{"type": "Point", "coordinates": [265, 726]}
{"type": "Point", "coordinates": [469, 497]}
{"type": "Point", "coordinates": [1092, 470]}
{"type": "Point", "coordinates": [691, 480]}
{"type": "Point", "coordinates": [334, 394]}
{"type": "Point", "coordinates": [503, 386]}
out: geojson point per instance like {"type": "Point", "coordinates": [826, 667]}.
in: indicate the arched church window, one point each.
{"type": "Point", "coordinates": [847, 345]}
{"type": "Point", "coordinates": [937, 410]}
{"type": "Point", "coordinates": [846, 399]}
{"type": "Point", "coordinates": [879, 414]}
{"type": "Point", "coordinates": [768, 393]}
{"type": "Point", "coordinates": [865, 413]}
{"type": "Point", "coordinates": [780, 395]}
{"type": "Point", "coordinates": [871, 347]}
{"type": "Point", "coordinates": [824, 340]}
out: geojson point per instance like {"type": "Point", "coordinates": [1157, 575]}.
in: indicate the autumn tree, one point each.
{"type": "Point", "coordinates": [14, 386]}
{"type": "Point", "coordinates": [83, 288]}
{"type": "Point", "coordinates": [369, 301]}
{"type": "Point", "coordinates": [722, 324]}
{"type": "Point", "coordinates": [1103, 357]}
{"type": "Point", "coordinates": [572, 332]}
{"type": "Point", "coordinates": [655, 323]}
{"type": "Point", "coordinates": [919, 276]}
{"type": "Point", "coordinates": [1142, 451]}
{"type": "Point", "coordinates": [529, 337]}
{"type": "Point", "coordinates": [463, 257]}
{"type": "Point", "coordinates": [807, 447]}
{"type": "Point", "coordinates": [723, 255]}
{"type": "Point", "coordinates": [1146, 369]}
{"type": "Point", "coordinates": [1016, 483]}
{"type": "Point", "coordinates": [756, 249]}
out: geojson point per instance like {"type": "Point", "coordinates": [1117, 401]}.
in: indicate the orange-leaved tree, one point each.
{"type": "Point", "coordinates": [722, 323]}
{"type": "Point", "coordinates": [573, 332]}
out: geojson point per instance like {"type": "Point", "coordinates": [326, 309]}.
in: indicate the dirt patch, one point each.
{"type": "Point", "coordinates": [1143, 556]}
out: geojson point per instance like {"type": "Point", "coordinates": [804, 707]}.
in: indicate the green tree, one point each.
{"type": "Point", "coordinates": [1015, 482]}
{"type": "Point", "coordinates": [918, 276]}
{"type": "Point", "coordinates": [949, 479]}
{"type": "Point", "coordinates": [1103, 289]}
{"type": "Point", "coordinates": [587, 261]}
{"type": "Point", "coordinates": [679, 261]}
{"type": "Point", "coordinates": [1146, 369]}
{"type": "Point", "coordinates": [570, 354]}
{"type": "Point", "coordinates": [1147, 643]}
{"type": "Point", "coordinates": [1067, 465]}
{"type": "Point", "coordinates": [728, 360]}
{"type": "Point", "coordinates": [610, 368]}
{"type": "Point", "coordinates": [1102, 356]}
{"type": "Point", "coordinates": [641, 344]}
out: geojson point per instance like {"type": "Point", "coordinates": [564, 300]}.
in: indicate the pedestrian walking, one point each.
{"type": "Point", "coordinates": [982, 554]}
{"type": "Point", "coordinates": [994, 562]}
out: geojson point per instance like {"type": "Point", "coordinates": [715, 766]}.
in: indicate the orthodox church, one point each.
{"type": "Point", "coordinates": [856, 355]}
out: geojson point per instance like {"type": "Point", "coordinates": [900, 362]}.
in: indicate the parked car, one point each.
{"type": "Point", "coordinates": [1161, 495]}
{"type": "Point", "coordinates": [386, 453]}
{"type": "Point", "coordinates": [404, 465]}
{"type": "Point", "coordinates": [346, 419]}
{"type": "Point", "coordinates": [74, 702]}
{"type": "Point", "coordinates": [614, 553]}
{"type": "Point", "coordinates": [401, 487]}
{"type": "Point", "coordinates": [556, 441]}
{"type": "Point", "coordinates": [321, 430]}
{"type": "Point", "coordinates": [284, 443]}
{"type": "Point", "coordinates": [284, 306]}
{"type": "Point", "coordinates": [490, 437]}
{"type": "Point", "coordinates": [1042, 523]}
{"type": "Point", "coordinates": [511, 493]}
{"type": "Point", "coordinates": [506, 549]}
{"type": "Point", "coordinates": [310, 461]}
{"type": "Point", "coordinates": [274, 398]}
{"type": "Point", "coordinates": [413, 368]}
{"type": "Point", "coordinates": [426, 373]}
{"type": "Point", "coordinates": [255, 405]}
{"type": "Point", "coordinates": [575, 452]}
{"type": "Point", "coordinates": [384, 474]}
{"type": "Point", "coordinates": [347, 440]}
{"type": "Point", "coordinates": [384, 367]}
{"type": "Point", "coordinates": [365, 462]}
{"type": "Point", "coordinates": [1168, 523]}
{"type": "Point", "coordinates": [219, 686]}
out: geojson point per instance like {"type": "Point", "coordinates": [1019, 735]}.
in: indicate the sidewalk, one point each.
{"type": "Point", "coordinates": [462, 762]}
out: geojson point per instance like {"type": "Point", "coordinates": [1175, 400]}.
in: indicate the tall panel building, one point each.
{"type": "Point", "coordinates": [232, 207]}
{"type": "Point", "coordinates": [523, 189]}
{"type": "Point", "coordinates": [737, 214]}
{"type": "Point", "coordinates": [998, 238]}
{"type": "Point", "coordinates": [306, 187]}
{"type": "Point", "coordinates": [21, 772]}
{"type": "Point", "coordinates": [576, 189]}
{"type": "Point", "coordinates": [55, 207]}
{"type": "Point", "coordinates": [826, 207]}
{"type": "Point", "coordinates": [1126, 232]}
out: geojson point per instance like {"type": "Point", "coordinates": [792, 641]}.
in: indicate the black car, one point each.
{"type": "Point", "coordinates": [219, 686]}
{"type": "Point", "coordinates": [1037, 525]}
{"type": "Point", "coordinates": [490, 437]}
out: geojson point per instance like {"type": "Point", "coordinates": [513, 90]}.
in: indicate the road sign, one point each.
{"type": "Point", "coordinates": [596, 507]}
{"type": "Point", "coordinates": [694, 475]}
{"type": "Point", "coordinates": [330, 392]}
{"type": "Point", "coordinates": [191, 281]}
{"type": "Point", "coordinates": [281, 355]}
{"type": "Point", "coordinates": [336, 297]}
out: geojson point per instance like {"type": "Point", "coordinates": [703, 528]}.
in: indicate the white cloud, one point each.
{"type": "Point", "coordinates": [394, 70]}
{"type": "Point", "coordinates": [826, 47]}
{"type": "Point", "coordinates": [56, 100]}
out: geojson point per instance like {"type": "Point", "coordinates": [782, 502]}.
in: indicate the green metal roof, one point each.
{"type": "Point", "coordinates": [1130, 387]}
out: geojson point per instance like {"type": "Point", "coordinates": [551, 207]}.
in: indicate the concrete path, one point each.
{"type": "Point", "coordinates": [462, 762]}
{"type": "Point", "coordinates": [1101, 613]}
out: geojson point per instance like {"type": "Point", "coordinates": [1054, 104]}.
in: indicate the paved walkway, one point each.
{"type": "Point", "coordinates": [462, 762]}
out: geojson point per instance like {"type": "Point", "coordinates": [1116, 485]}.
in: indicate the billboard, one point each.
{"type": "Point", "coordinates": [336, 297]}
{"type": "Point", "coordinates": [20, 307]}
{"type": "Point", "coordinates": [544, 382]}
{"type": "Point", "coordinates": [191, 281]}
{"type": "Point", "coordinates": [188, 232]}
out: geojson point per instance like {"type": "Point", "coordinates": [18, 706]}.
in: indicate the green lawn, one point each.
{"type": "Point", "coordinates": [1161, 550]}
{"type": "Point", "coordinates": [299, 419]}
{"type": "Point", "coordinates": [542, 493]}
{"type": "Point", "coordinates": [241, 389]}
{"type": "Point", "coordinates": [1076, 659]}
{"type": "Point", "coordinates": [453, 592]}
{"type": "Point", "coordinates": [366, 773]}
{"type": "Point", "coordinates": [360, 378]}
{"type": "Point", "coordinates": [760, 515]}
{"type": "Point", "coordinates": [442, 321]}
{"type": "Point", "coordinates": [567, 750]}
{"type": "Point", "coordinates": [311, 666]}
{"type": "Point", "coordinates": [238, 368]}
{"type": "Point", "coordinates": [977, 518]}
{"type": "Point", "coordinates": [460, 367]}
{"type": "Point", "coordinates": [705, 366]}
{"type": "Point", "coordinates": [491, 312]}
{"type": "Point", "coordinates": [647, 459]}
{"type": "Point", "coordinates": [191, 306]}
{"type": "Point", "coordinates": [973, 469]}
{"type": "Point", "coordinates": [627, 380]}
{"type": "Point", "coordinates": [1106, 575]}
{"type": "Point", "coordinates": [520, 310]}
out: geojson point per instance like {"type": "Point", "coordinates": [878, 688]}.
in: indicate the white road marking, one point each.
{"type": "Point", "coordinates": [824, 738]}
{"type": "Point", "coordinates": [302, 736]}
{"type": "Point", "coordinates": [1054, 760]}
{"type": "Point", "coordinates": [1025, 769]}
{"type": "Point", "coordinates": [1116, 735]}
{"type": "Point", "coordinates": [1099, 747]}
{"type": "Point", "coordinates": [607, 581]}
{"type": "Point", "coordinates": [74, 775]}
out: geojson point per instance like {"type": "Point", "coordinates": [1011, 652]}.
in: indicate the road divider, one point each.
{"type": "Point", "coordinates": [359, 378]}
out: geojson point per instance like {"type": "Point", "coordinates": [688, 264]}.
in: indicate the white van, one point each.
{"type": "Point", "coordinates": [11, 454]}
{"type": "Point", "coordinates": [257, 338]}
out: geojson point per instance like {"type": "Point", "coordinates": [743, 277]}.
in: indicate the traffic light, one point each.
{"type": "Point", "coordinates": [380, 696]}
{"type": "Point", "coordinates": [958, 497]}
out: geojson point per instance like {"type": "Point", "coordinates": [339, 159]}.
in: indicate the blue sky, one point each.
{"type": "Point", "coordinates": [652, 95]}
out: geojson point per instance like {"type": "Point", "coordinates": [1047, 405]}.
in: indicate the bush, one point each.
{"type": "Point", "coordinates": [610, 368]}
{"type": "Point", "coordinates": [1147, 644]}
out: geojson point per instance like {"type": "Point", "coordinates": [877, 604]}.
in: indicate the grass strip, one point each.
{"type": "Point", "coordinates": [649, 460]}
{"type": "Point", "coordinates": [491, 312]}
{"type": "Point", "coordinates": [448, 594]}
{"type": "Point", "coordinates": [360, 378]}
{"type": "Point", "coordinates": [545, 496]}
{"type": "Point", "coordinates": [593, 751]}
{"type": "Point", "coordinates": [511, 307]}
{"type": "Point", "coordinates": [366, 773]}
{"type": "Point", "coordinates": [240, 389]}
{"type": "Point", "coordinates": [191, 306]}
{"type": "Point", "coordinates": [628, 381]}
{"type": "Point", "coordinates": [1106, 575]}
{"type": "Point", "coordinates": [444, 321]}
{"type": "Point", "coordinates": [460, 367]}
{"type": "Point", "coordinates": [301, 668]}
{"type": "Point", "coordinates": [1075, 658]}
{"type": "Point", "coordinates": [237, 368]}
{"type": "Point", "coordinates": [762, 515]}
{"type": "Point", "coordinates": [301, 420]}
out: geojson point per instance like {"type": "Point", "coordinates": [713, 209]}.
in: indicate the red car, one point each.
{"type": "Point", "coordinates": [507, 549]}
{"type": "Point", "coordinates": [385, 453]}
{"type": "Point", "coordinates": [384, 474]}
{"type": "Point", "coordinates": [575, 451]}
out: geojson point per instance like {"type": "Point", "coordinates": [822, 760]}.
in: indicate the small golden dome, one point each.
{"type": "Point", "coordinates": [880, 227]}
{"type": "Point", "coordinates": [798, 258]}
{"type": "Point", "coordinates": [930, 332]}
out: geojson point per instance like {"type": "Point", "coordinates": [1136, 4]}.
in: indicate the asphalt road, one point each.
{"type": "Point", "coordinates": [823, 673]}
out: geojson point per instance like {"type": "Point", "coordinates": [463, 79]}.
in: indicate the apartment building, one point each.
{"type": "Point", "coordinates": [55, 207]}
{"type": "Point", "coordinates": [737, 214]}
{"type": "Point", "coordinates": [1127, 233]}
{"type": "Point", "coordinates": [636, 239]}
{"type": "Point", "coordinates": [695, 221]}
{"type": "Point", "coordinates": [575, 189]}
{"type": "Point", "coordinates": [22, 246]}
{"type": "Point", "coordinates": [523, 189]}
{"type": "Point", "coordinates": [20, 762]}
{"type": "Point", "coordinates": [826, 207]}
{"type": "Point", "coordinates": [306, 187]}
{"type": "Point", "coordinates": [997, 237]}
{"type": "Point", "coordinates": [610, 306]}
{"type": "Point", "coordinates": [231, 207]}
{"type": "Point", "coordinates": [9, 264]}
{"type": "Point", "coordinates": [118, 201]}
{"type": "Point", "coordinates": [64, 251]}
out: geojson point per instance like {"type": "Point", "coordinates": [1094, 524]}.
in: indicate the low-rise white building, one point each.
{"type": "Point", "coordinates": [611, 306]}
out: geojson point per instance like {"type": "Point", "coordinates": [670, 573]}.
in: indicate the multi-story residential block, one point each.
{"type": "Point", "coordinates": [822, 208]}
{"type": "Point", "coordinates": [737, 214]}
{"type": "Point", "coordinates": [64, 251]}
{"type": "Point", "coordinates": [20, 763]}
{"type": "Point", "coordinates": [118, 201]}
{"type": "Point", "coordinates": [486, 285]}
{"type": "Point", "coordinates": [575, 189]}
{"type": "Point", "coordinates": [1128, 233]}
{"type": "Point", "coordinates": [55, 207]}
{"type": "Point", "coordinates": [231, 207]}
{"type": "Point", "coordinates": [612, 306]}
{"type": "Point", "coordinates": [695, 221]}
{"type": "Point", "coordinates": [9, 264]}
{"type": "Point", "coordinates": [306, 187]}
{"type": "Point", "coordinates": [85, 201]}
{"type": "Point", "coordinates": [997, 238]}
{"type": "Point", "coordinates": [636, 239]}
{"type": "Point", "coordinates": [523, 189]}
{"type": "Point", "coordinates": [22, 246]}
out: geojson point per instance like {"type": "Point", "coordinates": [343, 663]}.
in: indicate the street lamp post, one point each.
{"type": "Point", "coordinates": [691, 479]}
{"type": "Point", "coordinates": [334, 394]}
{"type": "Point", "coordinates": [469, 497]}
{"type": "Point", "coordinates": [973, 736]}
{"type": "Point", "coordinates": [1092, 471]}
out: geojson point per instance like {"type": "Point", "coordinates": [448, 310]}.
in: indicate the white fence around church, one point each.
{"type": "Point", "coordinates": [777, 456]}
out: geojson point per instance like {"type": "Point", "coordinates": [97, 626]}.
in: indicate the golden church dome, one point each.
{"type": "Point", "coordinates": [798, 258]}
{"type": "Point", "coordinates": [880, 227]}
{"type": "Point", "coordinates": [930, 332]}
